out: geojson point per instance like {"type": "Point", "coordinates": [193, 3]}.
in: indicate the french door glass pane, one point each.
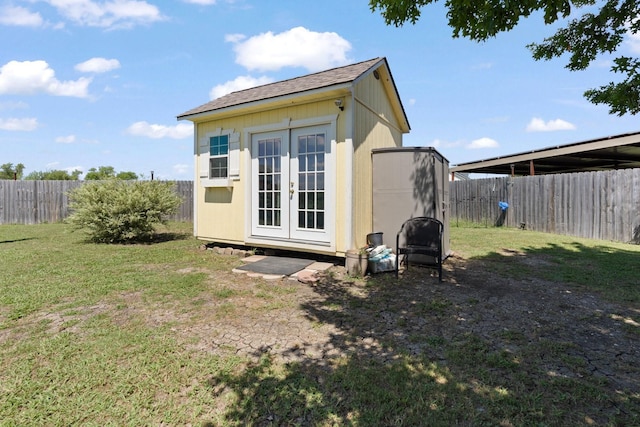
{"type": "Point", "coordinates": [269, 182]}
{"type": "Point", "coordinates": [320, 220]}
{"type": "Point", "coordinates": [311, 167]}
{"type": "Point", "coordinates": [320, 181]}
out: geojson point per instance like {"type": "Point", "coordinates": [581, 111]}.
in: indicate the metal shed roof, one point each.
{"type": "Point", "coordinates": [612, 152]}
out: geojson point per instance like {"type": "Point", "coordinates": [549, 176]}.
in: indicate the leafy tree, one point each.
{"type": "Point", "coordinates": [600, 29]}
{"type": "Point", "coordinates": [8, 171]}
{"type": "Point", "coordinates": [54, 175]}
{"type": "Point", "coordinates": [126, 176]}
{"type": "Point", "coordinates": [108, 172]}
{"type": "Point", "coordinates": [116, 211]}
{"type": "Point", "coordinates": [102, 173]}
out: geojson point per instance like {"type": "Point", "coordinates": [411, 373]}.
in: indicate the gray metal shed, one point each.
{"type": "Point", "coordinates": [409, 182]}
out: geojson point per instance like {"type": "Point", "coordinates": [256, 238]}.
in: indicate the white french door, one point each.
{"type": "Point", "coordinates": [291, 198]}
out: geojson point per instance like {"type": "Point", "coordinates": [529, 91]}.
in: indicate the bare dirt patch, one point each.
{"type": "Point", "coordinates": [571, 333]}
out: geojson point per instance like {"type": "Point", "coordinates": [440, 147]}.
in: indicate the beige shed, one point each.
{"type": "Point", "coordinates": [288, 165]}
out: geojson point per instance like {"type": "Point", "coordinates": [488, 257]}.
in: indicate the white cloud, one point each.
{"type": "Point", "coordinates": [31, 77]}
{"type": "Point", "coordinates": [98, 65]}
{"type": "Point", "coordinates": [297, 47]}
{"type": "Point", "coordinates": [482, 143]}
{"type": "Point", "coordinates": [234, 38]}
{"type": "Point", "coordinates": [110, 14]}
{"type": "Point", "coordinates": [180, 131]}
{"type": "Point", "coordinates": [69, 139]}
{"type": "Point", "coordinates": [633, 40]}
{"type": "Point", "coordinates": [538, 125]}
{"type": "Point", "coordinates": [181, 169]}
{"type": "Point", "coordinates": [239, 83]}
{"type": "Point", "coordinates": [19, 17]}
{"type": "Point", "coordinates": [27, 124]}
{"type": "Point", "coordinates": [72, 169]}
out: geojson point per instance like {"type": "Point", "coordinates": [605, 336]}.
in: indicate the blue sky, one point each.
{"type": "Point", "coordinates": [88, 83]}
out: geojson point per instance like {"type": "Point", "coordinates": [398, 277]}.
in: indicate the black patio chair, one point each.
{"type": "Point", "coordinates": [421, 235]}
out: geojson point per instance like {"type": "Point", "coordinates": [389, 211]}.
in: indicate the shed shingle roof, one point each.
{"type": "Point", "coordinates": [322, 79]}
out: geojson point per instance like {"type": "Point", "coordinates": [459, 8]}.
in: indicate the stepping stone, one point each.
{"type": "Point", "coordinates": [253, 258]}
{"type": "Point", "coordinates": [307, 276]}
{"type": "Point", "coordinates": [320, 266]}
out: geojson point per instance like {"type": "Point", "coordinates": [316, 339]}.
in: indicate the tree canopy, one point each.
{"type": "Point", "coordinates": [599, 28]}
{"type": "Point", "coordinates": [108, 172]}
{"type": "Point", "coordinates": [54, 175]}
{"type": "Point", "coordinates": [9, 171]}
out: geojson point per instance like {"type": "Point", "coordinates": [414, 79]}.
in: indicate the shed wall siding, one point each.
{"type": "Point", "coordinates": [375, 127]}
{"type": "Point", "coordinates": [221, 212]}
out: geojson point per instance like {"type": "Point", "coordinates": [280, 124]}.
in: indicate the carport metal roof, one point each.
{"type": "Point", "coordinates": [613, 152]}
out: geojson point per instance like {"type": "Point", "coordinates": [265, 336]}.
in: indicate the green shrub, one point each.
{"type": "Point", "coordinates": [116, 211]}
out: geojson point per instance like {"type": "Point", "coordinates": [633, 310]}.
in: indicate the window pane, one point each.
{"type": "Point", "coordinates": [276, 164]}
{"type": "Point", "coordinates": [302, 181]}
{"type": "Point", "coordinates": [301, 217]}
{"type": "Point", "coordinates": [311, 184]}
{"type": "Point", "coordinates": [218, 166]}
{"type": "Point", "coordinates": [219, 145]}
{"type": "Point", "coordinates": [301, 200]}
{"type": "Point", "coordinates": [311, 200]}
{"type": "Point", "coordinates": [310, 220]}
{"type": "Point", "coordinates": [270, 147]}
{"type": "Point", "coordinates": [320, 200]}
{"type": "Point", "coordinates": [320, 162]}
{"type": "Point", "coordinates": [302, 145]}
{"type": "Point", "coordinates": [224, 144]}
{"type": "Point", "coordinates": [320, 220]}
{"type": "Point", "coordinates": [276, 201]}
{"type": "Point", "coordinates": [261, 200]}
{"type": "Point", "coordinates": [276, 221]}
{"type": "Point", "coordinates": [311, 143]}
{"type": "Point", "coordinates": [276, 147]}
{"type": "Point", "coordinates": [269, 217]}
{"type": "Point", "coordinates": [213, 146]}
{"type": "Point", "coordinates": [276, 182]}
{"type": "Point", "coordinates": [302, 163]}
{"type": "Point", "coordinates": [320, 181]}
{"type": "Point", "coordinates": [269, 197]}
{"type": "Point", "coordinates": [261, 215]}
{"type": "Point", "coordinates": [261, 148]}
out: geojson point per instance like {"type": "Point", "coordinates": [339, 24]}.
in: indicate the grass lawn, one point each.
{"type": "Point", "coordinates": [86, 339]}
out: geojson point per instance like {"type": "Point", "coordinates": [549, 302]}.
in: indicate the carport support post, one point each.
{"type": "Point", "coordinates": [532, 169]}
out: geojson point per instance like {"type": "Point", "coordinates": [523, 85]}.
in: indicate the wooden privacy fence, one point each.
{"type": "Point", "coordinates": [34, 202]}
{"type": "Point", "coordinates": [597, 205]}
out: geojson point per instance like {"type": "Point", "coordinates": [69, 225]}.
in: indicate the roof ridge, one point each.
{"type": "Point", "coordinates": [279, 82]}
{"type": "Point", "coordinates": [319, 79]}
